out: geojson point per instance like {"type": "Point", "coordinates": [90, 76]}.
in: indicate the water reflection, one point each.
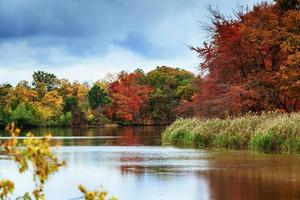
{"type": "Point", "coordinates": [132, 171]}
{"type": "Point", "coordinates": [244, 175]}
{"type": "Point", "coordinates": [121, 136]}
{"type": "Point", "coordinates": [128, 172]}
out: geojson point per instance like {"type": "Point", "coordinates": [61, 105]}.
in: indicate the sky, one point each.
{"type": "Point", "coordinates": [86, 39]}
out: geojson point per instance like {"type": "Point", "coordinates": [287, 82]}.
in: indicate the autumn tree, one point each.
{"type": "Point", "coordinates": [251, 63]}
{"type": "Point", "coordinates": [5, 92]}
{"type": "Point", "coordinates": [64, 88]}
{"type": "Point", "coordinates": [128, 96]}
{"type": "Point", "coordinates": [50, 106]}
{"type": "Point", "coordinates": [22, 93]}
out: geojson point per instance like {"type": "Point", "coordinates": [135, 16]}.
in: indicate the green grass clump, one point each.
{"type": "Point", "coordinates": [179, 132]}
{"type": "Point", "coordinates": [205, 132]}
{"type": "Point", "coordinates": [269, 132]}
{"type": "Point", "coordinates": [281, 134]}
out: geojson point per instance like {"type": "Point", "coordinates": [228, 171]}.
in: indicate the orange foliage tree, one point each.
{"type": "Point", "coordinates": [251, 63]}
{"type": "Point", "coordinates": [128, 97]}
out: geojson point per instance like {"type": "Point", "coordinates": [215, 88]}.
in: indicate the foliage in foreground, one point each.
{"type": "Point", "coordinates": [36, 154]}
{"type": "Point", "coordinates": [269, 132]}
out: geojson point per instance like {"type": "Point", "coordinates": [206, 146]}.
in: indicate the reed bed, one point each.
{"type": "Point", "coordinates": [269, 132]}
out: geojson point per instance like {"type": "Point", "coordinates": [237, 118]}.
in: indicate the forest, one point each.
{"type": "Point", "coordinates": [125, 98]}
{"type": "Point", "coordinates": [250, 64]}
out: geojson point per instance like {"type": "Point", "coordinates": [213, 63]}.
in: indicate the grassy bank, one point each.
{"type": "Point", "coordinates": [269, 132]}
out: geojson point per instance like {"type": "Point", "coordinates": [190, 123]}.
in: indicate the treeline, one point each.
{"type": "Point", "coordinates": [251, 62]}
{"type": "Point", "coordinates": [124, 98]}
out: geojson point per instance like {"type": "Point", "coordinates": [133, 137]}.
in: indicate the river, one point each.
{"type": "Point", "coordinates": [131, 164]}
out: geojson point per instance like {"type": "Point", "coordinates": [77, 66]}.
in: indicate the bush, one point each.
{"type": "Point", "coordinates": [4, 118]}
{"type": "Point", "coordinates": [64, 119]}
{"type": "Point", "coordinates": [25, 115]}
{"type": "Point", "coordinates": [36, 156]}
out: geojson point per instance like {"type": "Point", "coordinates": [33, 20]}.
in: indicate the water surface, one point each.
{"type": "Point", "coordinates": [131, 164]}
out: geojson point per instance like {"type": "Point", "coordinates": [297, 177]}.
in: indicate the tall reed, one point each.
{"type": "Point", "coordinates": [269, 132]}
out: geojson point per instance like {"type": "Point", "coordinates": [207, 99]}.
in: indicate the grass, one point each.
{"type": "Point", "coordinates": [270, 132]}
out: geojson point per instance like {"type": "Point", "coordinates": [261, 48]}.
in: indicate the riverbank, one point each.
{"type": "Point", "coordinates": [269, 132]}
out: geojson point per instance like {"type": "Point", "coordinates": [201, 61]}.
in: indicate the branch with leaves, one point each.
{"type": "Point", "coordinates": [37, 153]}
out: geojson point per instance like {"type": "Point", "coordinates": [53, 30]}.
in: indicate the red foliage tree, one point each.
{"type": "Point", "coordinates": [252, 63]}
{"type": "Point", "coordinates": [128, 96]}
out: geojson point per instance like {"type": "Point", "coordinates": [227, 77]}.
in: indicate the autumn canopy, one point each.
{"type": "Point", "coordinates": [251, 63]}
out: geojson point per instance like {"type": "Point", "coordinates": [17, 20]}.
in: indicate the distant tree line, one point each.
{"type": "Point", "coordinates": [125, 98]}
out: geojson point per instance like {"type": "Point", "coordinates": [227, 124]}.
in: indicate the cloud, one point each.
{"type": "Point", "coordinates": [84, 39]}
{"type": "Point", "coordinates": [94, 68]}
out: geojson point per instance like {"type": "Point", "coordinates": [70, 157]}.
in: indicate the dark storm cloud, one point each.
{"type": "Point", "coordinates": [70, 24]}
{"type": "Point", "coordinates": [91, 25]}
{"type": "Point", "coordinates": [80, 25]}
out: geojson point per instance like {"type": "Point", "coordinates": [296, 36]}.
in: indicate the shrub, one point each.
{"type": "Point", "coordinates": [64, 119]}
{"type": "Point", "coordinates": [36, 156]}
{"type": "Point", "coordinates": [25, 115]}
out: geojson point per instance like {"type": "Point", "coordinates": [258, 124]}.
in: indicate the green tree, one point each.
{"type": "Point", "coordinates": [25, 115]}
{"type": "Point", "coordinates": [171, 86]}
{"type": "Point", "coordinates": [71, 104]}
{"type": "Point", "coordinates": [44, 80]}
{"type": "Point", "coordinates": [4, 117]}
{"type": "Point", "coordinates": [64, 119]}
{"type": "Point", "coordinates": [288, 4]}
{"type": "Point", "coordinates": [97, 97]}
